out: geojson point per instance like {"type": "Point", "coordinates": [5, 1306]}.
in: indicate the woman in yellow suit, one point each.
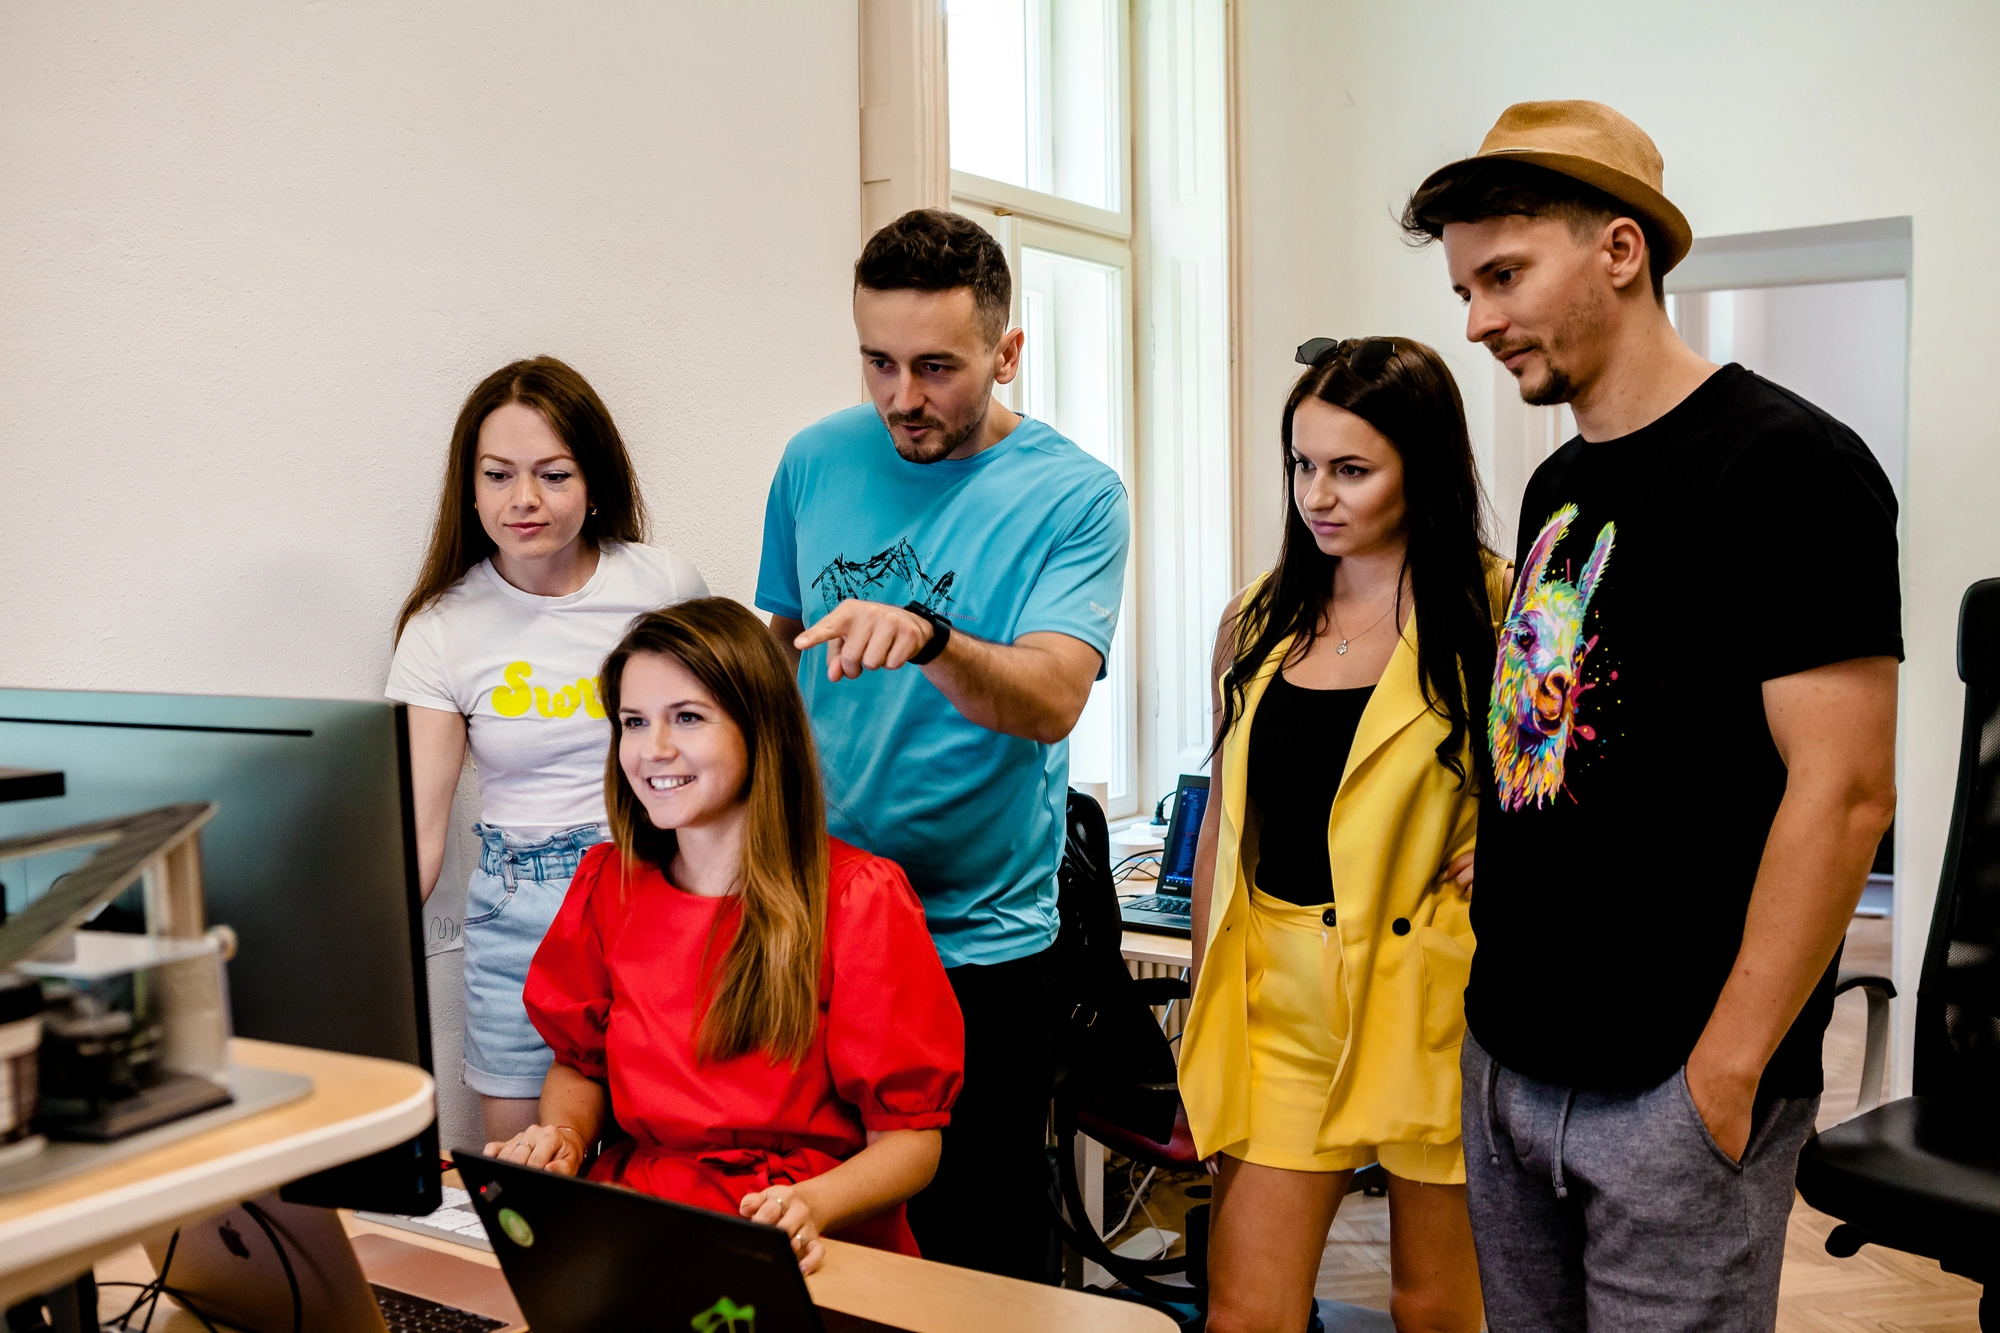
{"type": "Point", "coordinates": [1331, 929]}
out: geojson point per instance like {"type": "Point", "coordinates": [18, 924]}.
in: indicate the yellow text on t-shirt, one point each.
{"type": "Point", "coordinates": [514, 698]}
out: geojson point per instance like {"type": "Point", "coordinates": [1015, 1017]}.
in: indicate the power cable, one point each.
{"type": "Point", "coordinates": [291, 1278]}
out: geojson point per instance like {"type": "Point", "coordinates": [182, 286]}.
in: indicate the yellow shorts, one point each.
{"type": "Point", "coordinates": [1298, 1000]}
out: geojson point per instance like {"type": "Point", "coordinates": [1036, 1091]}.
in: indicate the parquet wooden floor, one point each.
{"type": "Point", "coordinates": [1877, 1291]}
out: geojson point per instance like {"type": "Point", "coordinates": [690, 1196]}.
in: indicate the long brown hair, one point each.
{"type": "Point", "coordinates": [766, 992]}
{"type": "Point", "coordinates": [1412, 399]}
{"type": "Point", "coordinates": [580, 419]}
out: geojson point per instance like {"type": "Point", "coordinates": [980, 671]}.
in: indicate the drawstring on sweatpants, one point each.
{"type": "Point", "coordinates": [1492, 1098]}
{"type": "Point", "coordinates": [1562, 1129]}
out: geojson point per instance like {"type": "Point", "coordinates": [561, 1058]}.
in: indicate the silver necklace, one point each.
{"type": "Point", "coordinates": [1342, 648]}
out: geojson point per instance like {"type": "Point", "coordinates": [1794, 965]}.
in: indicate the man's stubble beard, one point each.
{"type": "Point", "coordinates": [1579, 327]}
{"type": "Point", "coordinates": [948, 436]}
{"type": "Point", "coordinates": [1555, 387]}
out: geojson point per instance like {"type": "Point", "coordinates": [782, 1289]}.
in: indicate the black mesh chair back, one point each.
{"type": "Point", "coordinates": [1116, 1076]}
{"type": "Point", "coordinates": [1958, 997]}
{"type": "Point", "coordinates": [1109, 1047]}
{"type": "Point", "coordinates": [1922, 1173]}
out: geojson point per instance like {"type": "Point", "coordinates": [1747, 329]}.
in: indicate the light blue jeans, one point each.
{"type": "Point", "coordinates": [510, 903]}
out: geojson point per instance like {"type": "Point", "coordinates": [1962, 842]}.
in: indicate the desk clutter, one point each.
{"type": "Point", "coordinates": [117, 1029]}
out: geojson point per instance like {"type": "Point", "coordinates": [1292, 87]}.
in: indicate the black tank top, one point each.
{"type": "Point", "coordinates": [1299, 742]}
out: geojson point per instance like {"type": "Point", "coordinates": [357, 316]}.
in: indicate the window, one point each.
{"type": "Point", "coordinates": [1038, 117]}
{"type": "Point", "coordinates": [1034, 96]}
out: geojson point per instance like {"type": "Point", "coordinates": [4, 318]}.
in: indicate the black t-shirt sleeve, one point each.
{"type": "Point", "coordinates": [1818, 579]}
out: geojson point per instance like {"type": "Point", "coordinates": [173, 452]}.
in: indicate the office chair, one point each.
{"type": "Point", "coordinates": [1115, 1070]}
{"type": "Point", "coordinates": [1922, 1174]}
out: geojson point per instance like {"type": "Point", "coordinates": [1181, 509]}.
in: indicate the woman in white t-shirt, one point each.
{"type": "Point", "coordinates": [537, 563]}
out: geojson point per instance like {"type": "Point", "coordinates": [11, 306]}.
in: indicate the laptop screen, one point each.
{"type": "Point", "coordinates": [1184, 836]}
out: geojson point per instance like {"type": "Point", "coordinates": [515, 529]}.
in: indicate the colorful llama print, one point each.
{"type": "Point", "coordinates": [1537, 678]}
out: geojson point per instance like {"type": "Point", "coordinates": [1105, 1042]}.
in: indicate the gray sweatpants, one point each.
{"type": "Point", "coordinates": [1616, 1212]}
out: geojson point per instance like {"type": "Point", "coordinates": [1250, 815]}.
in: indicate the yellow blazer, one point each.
{"type": "Point", "coordinates": [1398, 819]}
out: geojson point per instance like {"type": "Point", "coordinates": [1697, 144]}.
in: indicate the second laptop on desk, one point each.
{"type": "Point", "coordinates": [1170, 910]}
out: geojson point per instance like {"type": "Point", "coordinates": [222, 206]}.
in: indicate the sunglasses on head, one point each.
{"type": "Point", "coordinates": [1364, 356]}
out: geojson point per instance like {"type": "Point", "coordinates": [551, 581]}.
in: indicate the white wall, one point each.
{"type": "Point", "coordinates": [253, 257]}
{"type": "Point", "coordinates": [1787, 113]}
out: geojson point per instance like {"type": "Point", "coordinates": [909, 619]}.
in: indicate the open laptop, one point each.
{"type": "Point", "coordinates": [583, 1257]}
{"type": "Point", "coordinates": [1169, 911]}
{"type": "Point", "coordinates": [228, 1270]}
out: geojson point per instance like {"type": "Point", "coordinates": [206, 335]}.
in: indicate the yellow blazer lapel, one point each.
{"type": "Point", "coordinates": [1398, 701]}
{"type": "Point", "coordinates": [1236, 800]}
{"type": "Point", "coordinates": [1223, 895]}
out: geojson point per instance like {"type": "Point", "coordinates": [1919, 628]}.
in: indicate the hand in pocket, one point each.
{"type": "Point", "coordinates": [1724, 1103]}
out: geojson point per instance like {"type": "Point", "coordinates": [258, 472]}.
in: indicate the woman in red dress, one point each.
{"type": "Point", "coordinates": [758, 1006]}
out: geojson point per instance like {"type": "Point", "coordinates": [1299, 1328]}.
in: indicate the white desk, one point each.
{"type": "Point", "coordinates": [53, 1234]}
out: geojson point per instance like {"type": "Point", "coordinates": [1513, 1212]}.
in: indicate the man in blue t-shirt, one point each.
{"type": "Point", "coordinates": [947, 574]}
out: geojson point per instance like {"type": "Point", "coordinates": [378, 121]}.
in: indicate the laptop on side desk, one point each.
{"type": "Point", "coordinates": [1169, 910]}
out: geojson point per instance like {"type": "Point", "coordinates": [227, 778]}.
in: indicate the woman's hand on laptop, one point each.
{"type": "Point", "coordinates": [784, 1207]}
{"type": "Point", "coordinates": [556, 1148]}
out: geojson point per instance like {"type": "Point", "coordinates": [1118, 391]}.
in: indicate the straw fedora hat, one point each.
{"type": "Point", "coordinates": [1590, 142]}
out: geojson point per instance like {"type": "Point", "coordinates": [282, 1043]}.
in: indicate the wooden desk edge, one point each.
{"type": "Point", "coordinates": [1143, 946]}
{"type": "Point", "coordinates": [914, 1294]}
{"type": "Point", "coordinates": [927, 1297]}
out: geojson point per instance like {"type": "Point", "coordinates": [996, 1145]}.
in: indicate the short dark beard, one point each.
{"type": "Point", "coordinates": [1553, 390]}
{"type": "Point", "coordinates": [945, 437]}
{"type": "Point", "coordinates": [1580, 326]}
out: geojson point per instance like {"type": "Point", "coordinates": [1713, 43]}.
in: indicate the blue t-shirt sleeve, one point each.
{"type": "Point", "coordinates": [778, 570]}
{"type": "Point", "coordinates": [1083, 583]}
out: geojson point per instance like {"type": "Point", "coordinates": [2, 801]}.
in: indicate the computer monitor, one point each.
{"type": "Point", "coordinates": [1183, 836]}
{"type": "Point", "coordinates": [311, 859]}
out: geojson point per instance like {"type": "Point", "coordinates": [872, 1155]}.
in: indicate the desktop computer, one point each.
{"type": "Point", "coordinates": [310, 858]}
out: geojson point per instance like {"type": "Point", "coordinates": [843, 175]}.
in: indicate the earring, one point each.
{"type": "Point", "coordinates": [593, 511]}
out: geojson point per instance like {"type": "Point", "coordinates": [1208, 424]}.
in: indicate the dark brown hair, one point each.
{"type": "Point", "coordinates": [766, 991]}
{"type": "Point", "coordinates": [1479, 189]}
{"type": "Point", "coordinates": [579, 418]}
{"type": "Point", "coordinates": [1412, 399]}
{"type": "Point", "coordinates": [931, 250]}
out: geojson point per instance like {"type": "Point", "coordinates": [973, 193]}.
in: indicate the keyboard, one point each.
{"type": "Point", "coordinates": [404, 1313]}
{"type": "Point", "coordinates": [453, 1221]}
{"type": "Point", "coordinates": [1160, 913]}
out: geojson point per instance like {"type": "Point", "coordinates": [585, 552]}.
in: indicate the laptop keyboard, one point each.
{"type": "Point", "coordinates": [1164, 903]}
{"type": "Point", "coordinates": [454, 1220]}
{"type": "Point", "coordinates": [404, 1313]}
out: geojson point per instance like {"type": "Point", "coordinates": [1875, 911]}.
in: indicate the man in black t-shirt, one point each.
{"type": "Point", "coordinates": [1692, 730]}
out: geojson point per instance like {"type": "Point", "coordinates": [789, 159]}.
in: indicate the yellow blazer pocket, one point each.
{"type": "Point", "coordinates": [1447, 967]}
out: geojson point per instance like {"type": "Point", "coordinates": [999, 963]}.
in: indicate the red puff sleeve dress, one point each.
{"type": "Point", "coordinates": [614, 991]}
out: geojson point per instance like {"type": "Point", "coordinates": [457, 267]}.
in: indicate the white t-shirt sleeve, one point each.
{"type": "Point", "coordinates": [655, 577]}
{"type": "Point", "coordinates": [688, 582]}
{"type": "Point", "coordinates": [417, 674]}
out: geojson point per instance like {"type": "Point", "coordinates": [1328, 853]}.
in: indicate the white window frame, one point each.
{"type": "Point", "coordinates": [1125, 792]}
{"type": "Point", "coordinates": [1019, 218]}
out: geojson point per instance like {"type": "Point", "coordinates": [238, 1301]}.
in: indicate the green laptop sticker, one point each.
{"type": "Point", "coordinates": [517, 1228]}
{"type": "Point", "coordinates": [726, 1316]}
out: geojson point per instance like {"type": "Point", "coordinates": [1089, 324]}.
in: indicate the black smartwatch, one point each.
{"type": "Point", "coordinates": [940, 634]}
